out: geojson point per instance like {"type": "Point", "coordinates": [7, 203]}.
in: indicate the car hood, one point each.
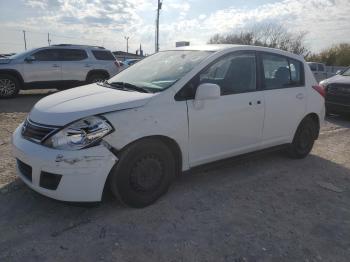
{"type": "Point", "coordinates": [67, 106]}
{"type": "Point", "coordinates": [338, 79]}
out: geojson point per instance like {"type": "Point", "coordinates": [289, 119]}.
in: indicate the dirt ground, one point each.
{"type": "Point", "coordinates": [263, 208]}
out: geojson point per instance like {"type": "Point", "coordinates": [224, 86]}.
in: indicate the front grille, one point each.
{"type": "Point", "coordinates": [49, 180]}
{"type": "Point", "coordinates": [25, 170]}
{"type": "Point", "coordinates": [338, 93]}
{"type": "Point", "coordinates": [36, 132]}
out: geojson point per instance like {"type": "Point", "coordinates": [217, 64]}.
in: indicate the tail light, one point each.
{"type": "Point", "coordinates": [116, 63]}
{"type": "Point", "coordinates": [320, 89]}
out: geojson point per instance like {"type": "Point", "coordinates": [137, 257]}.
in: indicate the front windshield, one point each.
{"type": "Point", "coordinates": [22, 54]}
{"type": "Point", "coordinates": [159, 71]}
{"type": "Point", "coordinates": [346, 72]}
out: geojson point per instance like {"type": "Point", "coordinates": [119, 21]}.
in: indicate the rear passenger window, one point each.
{"type": "Point", "coordinates": [103, 55]}
{"type": "Point", "coordinates": [296, 72]}
{"type": "Point", "coordinates": [276, 71]}
{"type": "Point", "coordinates": [281, 72]}
{"type": "Point", "coordinates": [234, 74]}
{"type": "Point", "coordinates": [73, 54]}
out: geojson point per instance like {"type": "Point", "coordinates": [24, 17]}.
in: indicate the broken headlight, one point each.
{"type": "Point", "coordinates": [80, 134]}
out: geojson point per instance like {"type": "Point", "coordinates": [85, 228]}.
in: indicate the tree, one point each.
{"type": "Point", "coordinates": [337, 55]}
{"type": "Point", "coordinates": [268, 35]}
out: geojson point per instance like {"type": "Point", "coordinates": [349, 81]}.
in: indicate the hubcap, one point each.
{"type": "Point", "coordinates": [7, 87]}
{"type": "Point", "coordinates": [147, 174]}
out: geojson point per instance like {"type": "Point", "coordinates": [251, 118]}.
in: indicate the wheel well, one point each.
{"type": "Point", "coordinates": [13, 73]}
{"type": "Point", "coordinates": [93, 72]}
{"type": "Point", "coordinates": [314, 117]}
{"type": "Point", "coordinates": [170, 143]}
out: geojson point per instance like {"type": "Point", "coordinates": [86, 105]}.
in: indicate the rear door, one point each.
{"type": "Point", "coordinates": [75, 64]}
{"type": "Point", "coordinates": [285, 97]}
{"type": "Point", "coordinates": [45, 68]}
{"type": "Point", "coordinates": [232, 123]}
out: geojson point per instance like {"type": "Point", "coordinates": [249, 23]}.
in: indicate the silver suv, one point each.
{"type": "Point", "coordinates": [57, 66]}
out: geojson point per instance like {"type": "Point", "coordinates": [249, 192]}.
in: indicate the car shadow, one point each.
{"type": "Point", "coordinates": [341, 120]}
{"type": "Point", "coordinates": [266, 200]}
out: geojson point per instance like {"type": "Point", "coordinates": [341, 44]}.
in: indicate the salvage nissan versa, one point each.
{"type": "Point", "coordinates": [170, 112]}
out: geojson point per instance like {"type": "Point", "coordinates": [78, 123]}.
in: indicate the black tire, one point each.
{"type": "Point", "coordinates": [96, 77]}
{"type": "Point", "coordinates": [304, 139]}
{"type": "Point", "coordinates": [9, 86]}
{"type": "Point", "coordinates": [143, 174]}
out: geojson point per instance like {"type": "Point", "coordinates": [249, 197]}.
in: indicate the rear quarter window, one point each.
{"type": "Point", "coordinates": [103, 55]}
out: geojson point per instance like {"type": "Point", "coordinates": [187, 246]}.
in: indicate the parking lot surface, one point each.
{"type": "Point", "coordinates": [264, 207]}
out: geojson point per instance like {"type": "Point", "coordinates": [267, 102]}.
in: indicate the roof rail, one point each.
{"type": "Point", "coordinates": [101, 47]}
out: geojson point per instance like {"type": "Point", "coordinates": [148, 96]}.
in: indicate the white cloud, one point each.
{"type": "Point", "coordinates": [108, 21]}
{"type": "Point", "coordinates": [326, 21]}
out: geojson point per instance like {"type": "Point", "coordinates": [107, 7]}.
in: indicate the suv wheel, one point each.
{"type": "Point", "coordinates": [304, 139]}
{"type": "Point", "coordinates": [143, 173]}
{"type": "Point", "coordinates": [9, 86]}
{"type": "Point", "coordinates": [96, 77]}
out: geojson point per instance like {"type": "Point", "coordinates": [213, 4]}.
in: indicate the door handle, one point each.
{"type": "Point", "coordinates": [55, 65]}
{"type": "Point", "coordinates": [300, 96]}
{"type": "Point", "coordinates": [87, 65]}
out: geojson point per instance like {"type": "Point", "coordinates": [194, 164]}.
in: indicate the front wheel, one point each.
{"type": "Point", "coordinates": [143, 173]}
{"type": "Point", "coordinates": [9, 86]}
{"type": "Point", "coordinates": [304, 139]}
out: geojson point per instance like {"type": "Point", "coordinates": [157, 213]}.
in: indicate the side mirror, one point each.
{"type": "Point", "coordinates": [207, 91]}
{"type": "Point", "coordinates": [338, 72]}
{"type": "Point", "coordinates": [29, 59]}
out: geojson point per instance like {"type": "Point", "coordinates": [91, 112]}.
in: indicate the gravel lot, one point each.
{"type": "Point", "coordinates": [263, 208]}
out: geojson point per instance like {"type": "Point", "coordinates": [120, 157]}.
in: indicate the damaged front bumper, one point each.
{"type": "Point", "coordinates": [77, 176]}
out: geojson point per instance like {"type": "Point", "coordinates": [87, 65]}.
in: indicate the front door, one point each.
{"type": "Point", "coordinates": [231, 124]}
{"type": "Point", "coordinates": [46, 67]}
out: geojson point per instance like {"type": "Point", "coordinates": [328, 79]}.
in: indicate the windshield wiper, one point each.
{"type": "Point", "coordinates": [128, 86]}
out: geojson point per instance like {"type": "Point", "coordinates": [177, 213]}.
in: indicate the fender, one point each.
{"type": "Point", "coordinates": [14, 73]}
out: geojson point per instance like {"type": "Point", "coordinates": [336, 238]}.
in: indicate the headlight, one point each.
{"type": "Point", "coordinates": [80, 134]}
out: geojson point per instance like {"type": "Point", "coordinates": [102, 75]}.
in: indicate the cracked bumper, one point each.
{"type": "Point", "coordinates": [83, 172]}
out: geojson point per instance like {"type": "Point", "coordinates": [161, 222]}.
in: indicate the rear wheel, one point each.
{"type": "Point", "coordinates": [96, 77]}
{"type": "Point", "coordinates": [304, 139]}
{"type": "Point", "coordinates": [9, 86]}
{"type": "Point", "coordinates": [143, 173]}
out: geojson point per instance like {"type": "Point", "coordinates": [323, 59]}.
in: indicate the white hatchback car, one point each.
{"type": "Point", "coordinates": [170, 112]}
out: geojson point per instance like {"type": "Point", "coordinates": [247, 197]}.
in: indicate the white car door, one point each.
{"type": "Point", "coordinates": [285, 97]}
{"type": "Point", "coordinates": [43, 66]}
{"type": "Point", "coordinates": [233, 123]}
{"type": "Point", "coordinates": [75, 64]}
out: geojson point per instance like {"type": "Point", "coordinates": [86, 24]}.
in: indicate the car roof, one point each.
{"type": "Point", "coordinates": [229, 47]}
{"type": "Point", "coordinates": [64, 46]}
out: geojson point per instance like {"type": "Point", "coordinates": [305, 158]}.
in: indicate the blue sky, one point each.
{"type": "Point", "coordinates": [106, 22]}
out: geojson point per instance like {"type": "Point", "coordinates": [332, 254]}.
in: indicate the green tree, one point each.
{"type": "Point", "coordinates": [268, 35]}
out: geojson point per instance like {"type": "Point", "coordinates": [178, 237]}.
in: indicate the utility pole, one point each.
{"type": "Point", "coordinates": [159, 7]}
{"type": "Point", "coordinates": [127, 43]}
{"type": "Point", "coordinates": [25, 40]}
{"type": "Point", "coordinates": [48, 39]}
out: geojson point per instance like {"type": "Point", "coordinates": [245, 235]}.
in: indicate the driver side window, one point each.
{"type": "Point", "coordinates": [234, 73]}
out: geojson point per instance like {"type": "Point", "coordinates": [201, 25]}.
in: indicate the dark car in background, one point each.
{"type": "Point", "coordinates": [338, 93]}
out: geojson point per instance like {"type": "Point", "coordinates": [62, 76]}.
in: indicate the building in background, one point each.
{"type": "Point", "coordinates": [122, 56]}
{"type": "Point", "coordinates": [182, 43]}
